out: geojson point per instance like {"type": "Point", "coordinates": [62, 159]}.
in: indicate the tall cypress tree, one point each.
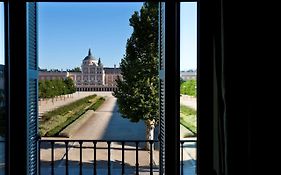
{"type": "Point", "coordinates": [137, 93]}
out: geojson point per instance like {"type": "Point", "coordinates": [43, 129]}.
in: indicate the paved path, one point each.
{"type": "Point", "coordinates": [188, 101]}
{"type": "Point", "coordinates": [189, 149]}
{"type": "Point", "coordinates": [48, 105]}
{"type": "Point", "coordinates": [107, 124]}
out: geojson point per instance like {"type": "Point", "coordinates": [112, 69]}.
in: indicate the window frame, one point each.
{"type": "Point", "coordinates": [16, 78]}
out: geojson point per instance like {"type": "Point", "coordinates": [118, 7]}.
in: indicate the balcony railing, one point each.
{"type": "Point", "coordinates": [74, 163]}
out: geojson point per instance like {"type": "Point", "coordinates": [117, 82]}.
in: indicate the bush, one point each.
{"type": "Point", "coordinates": [57, 87]}
{"type": "Point", "coordinates": [74, 117]}
{"type": "Point", "coordinates": [96, 105]}
{"type": "Point", "coordinates": [55, 121]}
{"type": "Point", "coordinates": [67, 108]}
{"type": "Point", "coordinates": [188, 88]}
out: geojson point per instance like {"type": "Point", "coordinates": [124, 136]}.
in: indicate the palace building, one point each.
{"type": "Point", "coordinates": [93, 76]}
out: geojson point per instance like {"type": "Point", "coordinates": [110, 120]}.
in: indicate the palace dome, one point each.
{"type": "Point", "coordinates": [89, 57]}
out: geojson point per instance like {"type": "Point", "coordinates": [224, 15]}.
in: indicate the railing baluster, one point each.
{"type": "Point", "coordinates": [108, 158]}
{"type": "Point", "coordinates": [137, 158]}
{"type": "Point", "coordinates": [109, 164]}
{"type": "Point", "coordinates": [181, 157]}
{"type": "Point", "coordinates": [80, 162]}
{"type": "Point", "coordinates": [95, 157]}
{"type": "Point", "coordinates": [66, 158]}
{"type": "Point", "coordinates": [151, 156]}
{"type": "Point", "coordinates": [123, 156]}
{"type": "Point", "coordinates": [52, 155]}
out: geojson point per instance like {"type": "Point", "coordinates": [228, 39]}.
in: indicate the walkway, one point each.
{"type": "Point", "coordinates": [188, 101]}
{"type": "Point", "coordinates": [107, 123]}
{"type": "Point", "coordinates": [48, 105]}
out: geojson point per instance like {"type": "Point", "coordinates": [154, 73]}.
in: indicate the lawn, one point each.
{"type": "Point", "coordinates": [55, 121]}
{"type": "Point", "coordinates": [188, 118]}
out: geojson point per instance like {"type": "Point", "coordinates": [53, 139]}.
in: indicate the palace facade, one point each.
{"type": "Point", "coordinates": [93, 76]}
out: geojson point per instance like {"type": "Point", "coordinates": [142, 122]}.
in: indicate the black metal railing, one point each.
{"type": "Point", "coordinates": [65, 144]}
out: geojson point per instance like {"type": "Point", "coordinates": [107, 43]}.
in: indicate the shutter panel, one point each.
{"type": "Point", "coordinates": [162, 84]}
{"type": "Point", "coordinates": [32, 83]}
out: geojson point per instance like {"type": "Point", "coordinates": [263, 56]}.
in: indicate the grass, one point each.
{"type": "Point", "coordinates": [97, 104]}
{"type": "Point", "coordinates": [188, 118]}
{"type": "Point", "coordinates": [55, 121]}
{"type": "Point", "coordinates": [67, 108]}
{"type": "Point", "coordinates": [187, 110]}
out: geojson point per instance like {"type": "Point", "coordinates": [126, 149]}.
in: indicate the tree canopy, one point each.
{"type": "Point", "coordinates": [188, 88]}
{"type": "Point", "coordinates": [137, 92]}
{"type": "Point", "coordinates": [56, 87]}
{"type": "Point", "coordinates": [76, 69]}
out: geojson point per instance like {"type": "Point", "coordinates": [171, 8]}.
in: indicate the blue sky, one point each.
{"type": "Point", "coordinates": [188, 36]}
{"type": "Point", "coordinates": [68, 30]}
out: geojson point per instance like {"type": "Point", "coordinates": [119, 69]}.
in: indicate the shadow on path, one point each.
{"type": "Point", "coordinates": [88, 168]}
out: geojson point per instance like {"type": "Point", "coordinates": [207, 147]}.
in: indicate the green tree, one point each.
{"type": "Point", "coordinates": [181, 80]}
{"type": "Point", "coordinates": [69, 83]}
{"type": "Point", "coordinates": [188, 88]}
{"type": "Point", "coordinates": [42, 89]}
{"type": "Point", "coordinates": [56, 87]}
{"type": "Point", "coordinates": [137, 92]}
{"type": "Point", "coordinates": [76, 69]}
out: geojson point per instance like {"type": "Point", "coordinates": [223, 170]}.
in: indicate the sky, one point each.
{"type": "Point", "coordinates": [188, 35]}
{"type": "Point", "coordinates": [68, 30]}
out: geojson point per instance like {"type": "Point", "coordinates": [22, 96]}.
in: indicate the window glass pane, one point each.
{"type": "Point", "coordinates": [188, 76]}
{"type": "Point", "coordinates": [2, 93]}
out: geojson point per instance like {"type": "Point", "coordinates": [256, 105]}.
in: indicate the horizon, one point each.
{"type": "Point", "coordinates": [67, 30]}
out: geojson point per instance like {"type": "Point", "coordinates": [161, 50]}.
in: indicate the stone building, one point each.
{"type": "Point", "coordinates": [93, 76]}
{"type": "Point", "coordinates": [111, 74]}
{"type": "Point", "coordinates": [51, 75]}
{"type": "Point", "coordinates": [188, 75]}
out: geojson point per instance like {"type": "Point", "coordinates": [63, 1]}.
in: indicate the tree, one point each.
{"type": "Point", "coordinates": [69, 83]}
{"type": "Point", "coordinates": [137, 92]}
{"type": "Point", "coordinates": [188, 88]}
{"type": "Point", "coordinates": [76, 69]}
{"type": "Point", "coordinates": [42, 89]}
{"type": "Point", "coordinates": [181, 80]}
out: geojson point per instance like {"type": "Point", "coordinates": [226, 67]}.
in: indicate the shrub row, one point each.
{"type": "Point", "coordinates": [65, 109]}
{"type": "Point", "coordinates": [97, 104]}
{"type": "Point", "coordinates": [57, 120]}
{"type": "Point", "coordinates": [188, 88]}
{"type": "Point", "coordinates": [56, 87]}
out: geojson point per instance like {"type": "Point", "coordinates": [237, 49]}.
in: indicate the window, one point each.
{"type": "Point", "coordinates": [171, 108]}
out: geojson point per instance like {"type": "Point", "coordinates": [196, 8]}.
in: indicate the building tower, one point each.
{"type": "Point", "coordinates": [92, 70]}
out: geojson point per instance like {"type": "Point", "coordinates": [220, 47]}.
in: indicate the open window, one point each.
{"type": "Point", "coordinates": [21, 55]}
